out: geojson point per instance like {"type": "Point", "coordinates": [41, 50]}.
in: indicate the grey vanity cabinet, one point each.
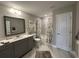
{"type": "Point", "coordinates": [23, 46]}
{"type": "Point", "coordinates": [17, 48]}
{"type": "Point", "coordinates": [31, 43]}
{"type": "Point", "coordinates": [7, 51]}
{"type": "Point", "coordinates": [20, 48]}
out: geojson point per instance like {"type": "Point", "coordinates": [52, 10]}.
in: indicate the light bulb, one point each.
{"type": "Point", "coordinates": [14, 11]}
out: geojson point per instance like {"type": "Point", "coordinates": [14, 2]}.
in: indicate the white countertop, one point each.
{"type": "Point", "coordinates": [15, 39]}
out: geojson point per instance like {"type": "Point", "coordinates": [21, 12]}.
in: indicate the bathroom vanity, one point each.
{"type": "Point", "coordinates": [14, 48]}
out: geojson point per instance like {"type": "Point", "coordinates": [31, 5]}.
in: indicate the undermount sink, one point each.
{"type": "Point", "coordinates": [7, 41]}
{"type": "Point", "coordinates": [4, 42]}
{"type": "Point", "coordinates": [1, 44]}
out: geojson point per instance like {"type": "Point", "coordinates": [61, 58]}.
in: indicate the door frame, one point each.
{"type": "Point", "coordinates": [66, 41]}
{"type": "Point", "coordinates": [69, 8]}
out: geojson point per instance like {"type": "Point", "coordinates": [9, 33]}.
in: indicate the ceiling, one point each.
{"type": "Point", "coordinates": [38, 8]}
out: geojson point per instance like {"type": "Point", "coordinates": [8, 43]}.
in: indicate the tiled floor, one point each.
{"type": "Point", "coordinates": [56, 53]}
{"type": "Point", "coordinates": [59, 53]}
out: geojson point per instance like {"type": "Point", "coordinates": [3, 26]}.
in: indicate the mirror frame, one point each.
{"type": "Point", "coordinates": [10, 28]}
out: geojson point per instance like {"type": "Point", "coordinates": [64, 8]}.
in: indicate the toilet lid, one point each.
{"type": "Point", "coordinates": [37, 39]}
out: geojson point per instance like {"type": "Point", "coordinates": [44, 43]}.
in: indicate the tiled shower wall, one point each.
{"type": "Point", "coordinates": [45, 28]}
{"type": "Point", "coordinates": [31, 25]}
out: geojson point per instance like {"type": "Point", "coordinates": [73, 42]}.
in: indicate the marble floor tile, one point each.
{"type": "Point", "coordinates": [55, 52]}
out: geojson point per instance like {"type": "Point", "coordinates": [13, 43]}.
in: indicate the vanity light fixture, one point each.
{"type": "Point", "coordinates": [14, 11]}
{"type": "Point", "coordinates": [45, 15]}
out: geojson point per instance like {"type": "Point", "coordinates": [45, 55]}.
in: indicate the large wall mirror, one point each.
{"type": "Point", "coordinates": [14, 25]}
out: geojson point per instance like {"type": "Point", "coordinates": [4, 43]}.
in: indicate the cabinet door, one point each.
{"type": "Point", "coordinates": [30, 43]}
{"type": "Point", "coordinates": [20, 48]}
{"type": "Point", "coordinates": [23, 46]}
{"type": "Point", "coordinates": [7, 52]}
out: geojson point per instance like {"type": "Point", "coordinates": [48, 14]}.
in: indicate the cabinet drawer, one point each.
{"type": "Point", "coordinates": [7, 52]}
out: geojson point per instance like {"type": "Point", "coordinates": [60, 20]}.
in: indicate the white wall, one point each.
{"type": "Point", "coordinates": [77, 18]}
{"type": "Point", "coordinates": [77, 23]}
{"type": "Point", "coordinates": [5, 11]}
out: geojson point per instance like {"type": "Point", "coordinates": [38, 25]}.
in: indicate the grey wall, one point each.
{"type": "Point", "coordinates": [5, 11]}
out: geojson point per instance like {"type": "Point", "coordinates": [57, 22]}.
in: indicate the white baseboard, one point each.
{"type": "Point", "coordinates": [74, 54]}
{"type": "Point", "coordinates": [54, 46]}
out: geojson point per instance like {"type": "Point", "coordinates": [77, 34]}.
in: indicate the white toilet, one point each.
{"type": "Point", "coordinates": [38, 41]}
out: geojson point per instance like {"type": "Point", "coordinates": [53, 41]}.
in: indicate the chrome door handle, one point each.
{"type": "Point", "coordinates": [58, 33]}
